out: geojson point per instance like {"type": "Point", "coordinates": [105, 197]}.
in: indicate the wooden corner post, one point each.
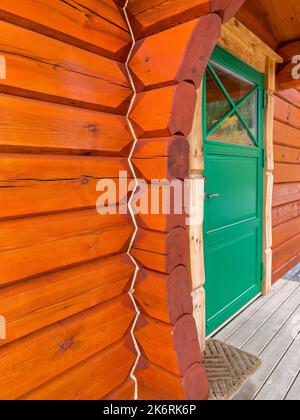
{"type": "Point", "coordinates": [268, 175]}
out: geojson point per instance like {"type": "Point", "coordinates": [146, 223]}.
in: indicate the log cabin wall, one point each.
{"type": "Point", "coordinates": [64, 270]}
{"type": "Point", "coordinates": [173, 43]}
{"type": "Point", "coordinates": [286, 197]}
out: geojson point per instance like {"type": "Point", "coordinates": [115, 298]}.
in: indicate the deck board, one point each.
{"type": "Point", "coordinates": [270, 329]}
{"type": "Point", "coordinates": [237, 322]}
{"type": "Point", "coordinates": [294, 391]}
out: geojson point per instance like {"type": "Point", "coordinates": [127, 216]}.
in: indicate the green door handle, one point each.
{"type": "Point", "coordinates": [208, 196]}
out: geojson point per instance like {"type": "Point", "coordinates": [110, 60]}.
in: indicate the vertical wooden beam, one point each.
{"type": "Point", "coordinates": [197, 272]}
{"type": "Point", "coordinates": [268, 176]}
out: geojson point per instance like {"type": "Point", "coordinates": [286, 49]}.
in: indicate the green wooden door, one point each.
{"type": "Point", "coordinates": [234, 158]}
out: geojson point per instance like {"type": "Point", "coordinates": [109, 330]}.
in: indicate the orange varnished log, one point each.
{"type": "Point", "coordinates": [124, 392]}
{"type": "Point", "coordinates": [284, 77]}
{"type": "Point", "coordinates": [157, 62]}
{"type": "Point", "coordinates": [53, 350]}
{"type": "Point", "coordinates": [89, 24]}
{"type": "Point", "coordinates": [276, 275]}
{"type": "Point", "coordinates": [60, 195]}
{"type": "Point", "coordinates": [287, 113]}
{"type": "Point", "coordinates": [93, 378]}
{"type": "Point", "coordinates": [16, 167]}
{"type": "Point", "coordinates": [283, 154]}
{"type": "Point", "coordinates": [161, 222]}
{"type": "Point", "coordinates": [58, 251]}
{"type": "Point", "coordinates": [163, 202]}
{"type": "Point", "coordinates": [286, 193]}
{"type": "Point", "coordinates": [172, 347]}
{"type": "Point", "coordinates": [35, 126]}
{"type": "Point", "coordinates": [152, 17]}
{"type": "Point", "coordinates": [285, 172]}
{"type": "Point", "coordinates": [35, 304]}
{"type": "Point", "coordinates": [282, 214]}
{"type": "Point", "coordinates": [44, 68]}
{"type": "Point", "coordinates": [166, 386]}
{"type": "Point", "coordinates": [164, 112]}
{"type": "Point", "coordinates": [286, 231]}
{"type": "Point", "coordinates": [285, 252]}
{"type": "Point", "coordinates": [290, 95]}
{"type": "Point", "coordinates": [286, 135]}
{"type": "Point", "coordinates": [164, 158]}
{"type": "Point", "coordinates": [159, 251]}
{"type": "Point", "coordinates": [165, 298]}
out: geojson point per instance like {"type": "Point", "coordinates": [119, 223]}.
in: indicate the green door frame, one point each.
{"type": "Point", "coordinates": [222, 57]}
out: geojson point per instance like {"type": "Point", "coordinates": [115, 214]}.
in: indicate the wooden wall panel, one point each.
{"type": "Point", "coordinates": [65, 270]}
{"type": "Point", "coordinates": [55, 349]}
{"type": "Point", "coordinates": [45, 68]}
{"type": "Point", "coordinates": [97, 26]}
{"type": "Point", "coordinates": [35, 126]}
{"type": "Point", "coordinates": [286, 200]}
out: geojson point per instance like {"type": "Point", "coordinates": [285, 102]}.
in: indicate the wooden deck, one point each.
{"type": "Point", "coordinates": [270, 328]}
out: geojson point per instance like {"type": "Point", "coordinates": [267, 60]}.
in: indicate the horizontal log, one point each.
{"type": "Point", "coordinates": [58, 252]}
{"type": "Point", "coordinates": [285, 252]}
{"type": "Point", "coordinates": [174, 348]}
{"type": "Point", "coordinates": [25, 232]}
{"type": "Point", "coordinates": [164, 158]}
{"type": "Point", "coordinates": [282, 214]}
{"type": "Point", "coordinates": [48, 69]}
{"type": "Point", "coordinates": [290, 95]}
{"type": "Point", "coordinates": [35, 126]}
{"type": "Point", "coordinates": [58, 348]}
{"type": "Point", "coordinates": [286, 193]}
{"type": "Point", "coordinates": [159, 205]}
{"type": "Point", "coordinates": [285, 231]}
{"type": "Point", "coordinates": [285, 172]}
{"type": "Point", "coordinates": [26, 198]}
{"type": "Point", "coordinates": [286, 135]}
{"type": "Point", "coordinates": [93, 378]}
{"type": "Point", "coordinates": [95, 26]}
{"type": "Point", "coordinates": [161, 252]}
{"type": "Point", "coordinates": [284, 154]}
{"type": "Point", "coordinates": [285, 79]}
{"type": "Point", "coordinates": [164, 112]}
{"type": "Point", "coordinates": [35, 304]}
{"type": "Point", "coordinates": [161, 222]}
{"type": "Point", "coordinates": [166, 386]}
{"type": "Point", "coordinates": [289, 50]}
{"type": "Point", "coordinates": [287, 113]}
{"type": "Point", "coordinates": [166, 298]}
{"type": "Point", "coordinates": [16, 167]}
{"type": "Point", "coordinates": [184, 59]}
{"type": "Point", "coordinates": [150, 18]}
{"type": "Point", "coordinates": [124, 392]}
{"type": "Point", "coordinates": [285, 268]}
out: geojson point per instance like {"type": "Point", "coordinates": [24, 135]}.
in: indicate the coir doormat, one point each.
{"type": "Point", "coordinates": [228, 368]}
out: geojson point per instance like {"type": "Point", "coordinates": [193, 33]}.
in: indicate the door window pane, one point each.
{"type": "Point", "coordinates": [249, 112]}
{"type": "Point", "coordinates": [217, 104]}
{"type": "Point", "coordinates": [236, 86]}
{"type": "Point", "coordinates": [233, 131]}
